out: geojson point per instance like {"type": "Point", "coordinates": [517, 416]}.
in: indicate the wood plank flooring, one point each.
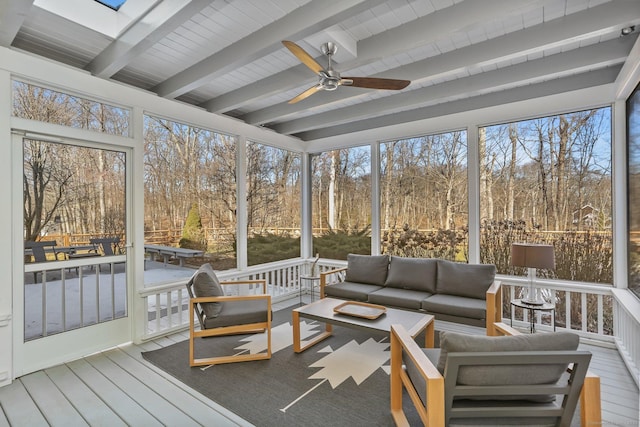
{"type": "Point", "coordinates": [118, 387]}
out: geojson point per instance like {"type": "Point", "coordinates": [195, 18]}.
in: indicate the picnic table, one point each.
{"type": "Point", "coordinates": [169, 251]}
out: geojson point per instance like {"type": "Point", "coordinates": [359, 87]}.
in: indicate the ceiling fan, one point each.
{"type": "Point", "coordinates": [330, 79]}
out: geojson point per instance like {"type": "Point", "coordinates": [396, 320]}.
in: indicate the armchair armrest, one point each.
{"type": "Point", "coordinates": [590, 404]}
{"type": "Point", "coordinates": [325, 275]}
{"type": "Point", "coordinates": [494, 307]}
{"type": "Point", "coordinates": [431, 412]}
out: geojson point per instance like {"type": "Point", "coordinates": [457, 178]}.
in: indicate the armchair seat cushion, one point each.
{"type": "Point", "coordinates": [239, 313]}
{"type": "Point", "coordinates": [395, 297]}
{"type": "Point", "coordinates": [455, 306]}
{"type": "Point", "coordinates": [350, 290]}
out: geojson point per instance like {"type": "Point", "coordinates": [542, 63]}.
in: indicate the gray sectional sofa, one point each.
{"type": "Point", "coordinates": [449, 290]}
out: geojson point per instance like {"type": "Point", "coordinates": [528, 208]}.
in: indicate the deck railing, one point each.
{"type": "Point", "coordinates": [167, 303]}
{"type": "Point", "coordinates": [71, 294]}
{"type": "Point", "coordinates": [595, 312]}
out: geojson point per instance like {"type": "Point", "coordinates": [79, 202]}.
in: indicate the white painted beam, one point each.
{"type": "Point", "coordinates": [12, 14]}
{"type": "Point", "coordinates": [419, 32]}
{"type": "Point", "coordinates": [570, 29]}
{"type": "Point", "coordinates": [302, 22]}
{"type": "Point", "coordinates": [567, 84]}
{"type": "Point", "coordinates": [576, 61]}
{"type": "Point", "coordinates": [155, 25]}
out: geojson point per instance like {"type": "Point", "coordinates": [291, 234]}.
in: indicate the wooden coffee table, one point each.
{"type": "Point", "coordinates": [322, 310]}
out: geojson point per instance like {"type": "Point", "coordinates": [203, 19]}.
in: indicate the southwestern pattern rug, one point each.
{"type": "Point", "coordinates": [341, 381]}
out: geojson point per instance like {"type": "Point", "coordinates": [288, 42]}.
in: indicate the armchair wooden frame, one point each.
{"type": "Point", "coordinates": [195, 309]}
{"type": "Point", "coordinates": [434, 413]}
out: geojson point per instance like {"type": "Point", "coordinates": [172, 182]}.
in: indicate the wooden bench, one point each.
{"type": "Point", "coordinates": [168, 251]}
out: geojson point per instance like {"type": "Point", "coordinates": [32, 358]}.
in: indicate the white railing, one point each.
{"type": "Point", "coordinates": [166, 304]}
{"type": "Point", "coordinates": [581, 308]}
{"type": "Point", "coordinates": [627, 326]}
{"type": "Point", "coordinates": [65, 295]}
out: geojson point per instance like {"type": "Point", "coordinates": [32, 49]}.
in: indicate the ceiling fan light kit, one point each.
{"type": "Point", "coordinates": [330, 79]}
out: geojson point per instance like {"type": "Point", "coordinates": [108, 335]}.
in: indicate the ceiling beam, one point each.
{"type": "Point", "coordinates": [300, 23]}
{"type": "Point", "coordinates": [418, 32]}
{"type": "Point", "coordinates": [160, 21]}
{"type": "Point", "coordinates": [569, 29]}
{"type": "Point", "coordinates": [12, 15]}
{"type": "Point", "coordinates": [591, 57]}
{"type": "Point", "coordinates": [566, 84]}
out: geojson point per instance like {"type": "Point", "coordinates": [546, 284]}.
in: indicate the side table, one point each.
{"type": "Point", "coordinates": [551, 308]}
{"type": "Point", "coordinates": [311, 280]}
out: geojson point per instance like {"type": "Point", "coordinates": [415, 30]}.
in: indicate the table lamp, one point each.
{"type": "Point", "coordinates": [532, 256]}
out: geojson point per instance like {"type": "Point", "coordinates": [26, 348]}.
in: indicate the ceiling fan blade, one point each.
{"type": "Point", "coordinates": [374, 83]}
{"type": "Point", "coordinates": [307, 93]}
{"type": "Point", "coordinates": [303, 56]}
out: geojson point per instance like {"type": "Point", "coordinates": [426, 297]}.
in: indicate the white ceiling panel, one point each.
{"type": "Point", "coordinates": [226, 55]}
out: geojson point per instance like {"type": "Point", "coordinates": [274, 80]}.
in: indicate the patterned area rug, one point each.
{"type": "Point", "coordinates": [341, 381]}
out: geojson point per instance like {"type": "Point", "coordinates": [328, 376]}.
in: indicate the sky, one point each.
{"type": "Point", "coordinates": [113, 4]}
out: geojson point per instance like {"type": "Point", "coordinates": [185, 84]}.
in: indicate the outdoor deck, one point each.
{"type": "Point", "coordinates": [118, 387]}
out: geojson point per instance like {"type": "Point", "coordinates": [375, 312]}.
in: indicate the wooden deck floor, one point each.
{"type": "Point", "coordinates": [118, 387]}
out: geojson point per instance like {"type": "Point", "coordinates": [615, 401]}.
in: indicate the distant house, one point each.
{"type": "Point", "coordinates": [586, 217]}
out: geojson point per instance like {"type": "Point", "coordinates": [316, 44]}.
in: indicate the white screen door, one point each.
{"type": "Point", "coordinates": [74, 294]}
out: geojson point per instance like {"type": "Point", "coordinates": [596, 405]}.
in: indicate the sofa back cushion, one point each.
{"type": "Point", "coordinates": [464, 280]}
{"type": "Point", "coordinates": [368, 269]}
{"type": "Point", "coordinates": [452, 342]}
{"type": "Point", "coordinates": [418, 274]}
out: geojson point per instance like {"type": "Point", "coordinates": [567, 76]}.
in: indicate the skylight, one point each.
{"type": "Point", "coordinates": [109, 17]}
{"type": "Point", "coordinates": [113, 4]}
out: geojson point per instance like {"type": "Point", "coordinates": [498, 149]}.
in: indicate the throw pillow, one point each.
{"type": "Point", "coordinates": [367, 269]}
{"type": "Point", "coordinates": [465, 280]}
{"type": "Point", "coordinates": [206, 284]}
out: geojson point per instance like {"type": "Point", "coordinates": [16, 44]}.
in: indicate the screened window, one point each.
{"type": "Point", "coordinates": [548, 180]}
{"type": "Point", "coordinates": [190, 190]}
{"type": "Point", "coordinates": [47, 105]}
{"type": "Point", "coordinates": [423, 193]}
{"type": "Point", "coordinates": [633, 147]}
{"type": "Point", "coordinates": [341, 211]}
{"type": "Point", "coordinates": [273, 204]}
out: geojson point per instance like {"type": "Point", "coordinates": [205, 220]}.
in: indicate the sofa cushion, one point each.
{"type": "Point", "coordinates": [412, 273]}
{"type": "Point", "coordinates": [350, 291]}
{"type": "Point", "coordinates": [465, 280]}
{"type": "Point", "coordinates": [368, 269]}
{"type": "Point", "coordinates": [451, 342]}
{"type": "Point", "coordinates": [453, 305]}
{"type": "Point", "coordinates": [403, 298]}
{"type": "Point", "coordinates": [206, 284]}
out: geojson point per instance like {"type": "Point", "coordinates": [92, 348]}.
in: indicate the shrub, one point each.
{"type": "Point", "coordinates": [193, 236]}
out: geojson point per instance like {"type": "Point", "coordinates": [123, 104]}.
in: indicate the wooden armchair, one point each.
{"type": "Point", "coordinates": [481, 385]}
{"type": "Point", "coordinates": [221, 314]}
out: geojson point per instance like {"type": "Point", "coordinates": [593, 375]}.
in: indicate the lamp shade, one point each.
{"type": "Point", "coordinates": [532, 255]}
